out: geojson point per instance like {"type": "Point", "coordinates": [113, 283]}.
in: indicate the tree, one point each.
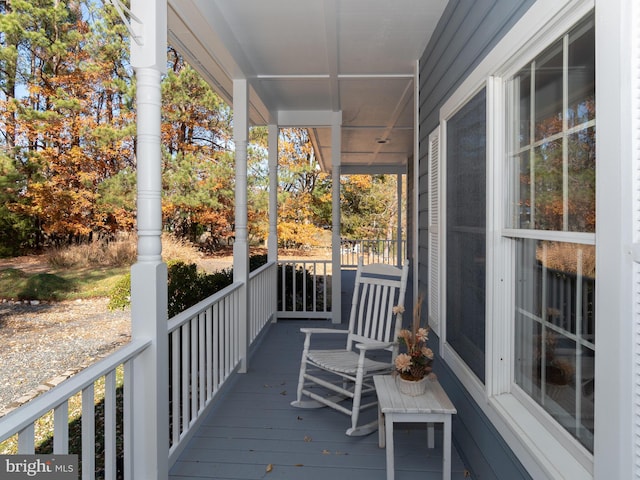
{"type": "Point", "coordinates": [198, 168]}
{"type": "Point", "coordinates": [369, 206]}
{"type": "Point", "coordinates": [15, 229]}
{"type": "Point", "coordinates": [305, 191]}
{"type": "Point", "coordinates": [73, 126]}
{"type": "Point", "coordinates": [47, 125]}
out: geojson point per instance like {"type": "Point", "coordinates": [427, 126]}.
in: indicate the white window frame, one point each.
{"type": "Point", "coordinates": [544, 447]}
{"type": "Point", "coordinates": [464, 373]}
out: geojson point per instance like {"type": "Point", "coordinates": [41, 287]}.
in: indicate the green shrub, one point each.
{"type": "Point", "coordinates": [186, 287]}
{"type": "Point", "coordinates": [256, 261]}
{"type": "Point", "coordinates": [18, 285]}
{"type": "Point", "coordinates": [299, 289]}
{"type": "Point", "coordinates": [120, 295]}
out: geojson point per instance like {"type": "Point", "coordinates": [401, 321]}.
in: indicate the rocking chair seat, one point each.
{"type": "Point", "coordinates": [344, 361]}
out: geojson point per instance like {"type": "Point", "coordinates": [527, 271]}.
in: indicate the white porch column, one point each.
{"type": "Point", "coordinates": [399, 252]}
{"type": "Point", "coordinates": [241, 244]}
{"type": "Point", "coordinates": [272, 243]}
{"type": "Point", "coordinates": [150, 421]}
{"type": "Point", "coordinates": [336, 280]}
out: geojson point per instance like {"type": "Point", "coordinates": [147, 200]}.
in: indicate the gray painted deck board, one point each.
{"type": "Point", "coordinates": [253, 426]}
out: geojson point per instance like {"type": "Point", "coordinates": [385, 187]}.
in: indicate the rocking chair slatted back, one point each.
{"type": "Point", "coordinates": [372, 317]}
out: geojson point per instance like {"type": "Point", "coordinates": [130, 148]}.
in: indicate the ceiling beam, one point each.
{"type": "Point", "coordinates": [340, 76]}
{"type": "Point", "coordinates": [307, 118]}
{"type": "Point", "coordinates": [354, 169]}
{"type": "Point", "coordinates": [332, 44]}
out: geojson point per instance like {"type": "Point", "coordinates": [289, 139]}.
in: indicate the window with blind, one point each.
{"type": "Point", "coordinates": [466, 232]}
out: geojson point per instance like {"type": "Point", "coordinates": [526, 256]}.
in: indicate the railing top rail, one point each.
{"type": "Point", "coordinates": [302, 260]}
{"type": "Point", "coordinates": [24, 416]}
{"type": "Point", "coordinates": [201, 306]}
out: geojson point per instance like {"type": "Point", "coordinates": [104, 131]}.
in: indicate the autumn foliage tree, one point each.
{"type": "Point", "coordinates": [71, 123]}
{"type": "Point", "coordinates": [304, 196]}
{"type": "Point", "coordinates": [369, 206]}
{"type": "Point", "coordinates": [198, 170]}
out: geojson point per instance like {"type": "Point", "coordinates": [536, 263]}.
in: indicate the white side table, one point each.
{"type": "Point", "coordinates": [432, 407]}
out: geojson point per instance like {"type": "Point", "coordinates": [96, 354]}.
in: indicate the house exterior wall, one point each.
{"type": "Point", "coordinates": [465, 34]}
{"type": "Point", "coordinates": [476, 49]}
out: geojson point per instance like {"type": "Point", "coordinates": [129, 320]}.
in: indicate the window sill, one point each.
{"type": "Point", "coordinates": [541, 453]}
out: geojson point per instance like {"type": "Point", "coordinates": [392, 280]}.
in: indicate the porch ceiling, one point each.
{"type": "Point", "coordinates": [354, 56]}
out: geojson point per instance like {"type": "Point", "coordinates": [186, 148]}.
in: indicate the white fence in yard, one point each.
{"type": "Point", "coordinates": [372, 251]}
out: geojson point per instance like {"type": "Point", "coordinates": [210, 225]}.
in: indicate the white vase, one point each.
{"type": "Point", "coordinates": [412, 388]}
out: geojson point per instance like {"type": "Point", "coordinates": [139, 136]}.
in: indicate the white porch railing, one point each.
{"type": "Point", "coordinates": [205, 349]}
{"type": "Point", "coordinates": [304, 289]}
{"type": "Point", "coordinates": [371, 251]}
{"type": "Point", "coordinates": [263, 298]}
{"type": "Point", "coordinates": [22, 421]}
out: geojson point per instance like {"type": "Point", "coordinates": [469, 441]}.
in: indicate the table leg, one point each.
{"type": "Point", "coordinates": [389, 438]}
{"type": "Point", "coordinates": [381, 428]}
{"type": "Point", "coordinates": [446, 449]}
{"type": "Point", "coordinates": [431, 437]}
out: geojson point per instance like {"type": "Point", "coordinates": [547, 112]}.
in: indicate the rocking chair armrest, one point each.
{"type": "Point", "coordinates": [374, 346]}
{"type": "Point", "coordinates": [323, 330]}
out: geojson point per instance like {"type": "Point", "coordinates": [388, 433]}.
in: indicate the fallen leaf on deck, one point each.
{"type": "Point", "coordinates": [269, 468]}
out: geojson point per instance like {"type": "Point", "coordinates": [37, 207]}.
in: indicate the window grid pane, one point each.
{"type": "Point", "coordinates": [555, 324]}
{"type": "Point", "coordinates": [551, 167]}
{"type": "Point", "coordinates": [553, 103]}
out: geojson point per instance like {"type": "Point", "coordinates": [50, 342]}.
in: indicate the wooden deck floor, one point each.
{"type": "Point", "coordinates": [253, 432]}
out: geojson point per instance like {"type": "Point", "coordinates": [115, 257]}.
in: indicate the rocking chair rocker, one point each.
{"type": "Point", "coordinates": [329, 377]}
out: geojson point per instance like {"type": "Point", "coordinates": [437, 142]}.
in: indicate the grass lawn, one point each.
{"type": "Point", "coordinates": [60, 284]}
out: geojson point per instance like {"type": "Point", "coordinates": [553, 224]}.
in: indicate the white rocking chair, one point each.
{"type": "Point", "coordinates": [374, 325]}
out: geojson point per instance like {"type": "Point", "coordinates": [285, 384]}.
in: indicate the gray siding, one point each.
{"type": "Point", "coordinates": [467, 31]}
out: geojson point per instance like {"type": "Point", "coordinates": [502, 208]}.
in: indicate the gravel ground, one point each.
{"type": "Point", "coordinates": [41, 345]}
